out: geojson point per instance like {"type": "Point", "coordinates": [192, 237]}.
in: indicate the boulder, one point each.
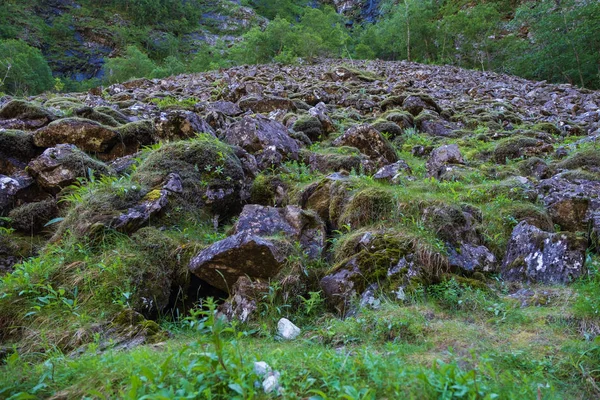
{"type": "Point", "coordinates": [441, 158]}
{"type": "Point", "coordinates": [370, 142]}
{"type": "Point", "coordinates": [310, 126]}
{"type": "Point", "coordinates": [327, 198]}
{"type": "Point", "coordinates": [244, 298]}
{"type": "Point", "coordinates": [471, 258]}
{"type": "Point", "coordinates": [242, 254]}
{"type": "Point", "coordinates": [350, 159]}
{"type": "Point", "coordinates": [16, 150]}
{"type": "Point", "coordinates": [180, 124]}
{"type": "Point", "coordinates": [212, 176]}
{"type": "Point", "coordinates": [293, 222]}
{"type": "Point", "coordinates": [392, 173]}
{"type": "Point", "coordinates": [25, 111]}
{"type": "Point", "coordinates": [225, 107]}
{"type": "Point", "coordinates": [416, 103]}
{"type": "Point", "coordinates": [60, 166]}
{"type": "Point", "coordinates": [339, 289]}
{"type": "Point", "coordinates": [320, 112]}
{"type": "Point", "coordinates": [87, 135]}
{"type": "Point", "coordinates": [537, 256]}
{"type": "Point", "coordinates": [265, 104]}
{"type": "Point", "coordinates": [570, 203]}
{"type": "Point", "coordinates": [151, 204]}
{"type": "Point", "coordinates": [268, 140]}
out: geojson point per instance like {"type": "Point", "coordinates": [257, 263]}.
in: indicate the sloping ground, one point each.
{"type": "Point", "coordinates": [398, 213]}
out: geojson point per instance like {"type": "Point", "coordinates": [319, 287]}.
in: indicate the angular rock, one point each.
{"type": "Point", "coordinates": [287, 330]}
{"type": "Point", "coordinates": [442, 157]}
{"type": "Point", "coordinates": [392, 173]}
{"type": "Point", "coordinates": [339, 289]}
{"type": "Point", "coordinates": [153, 203]}
{"type": "Point", "coordinates": [226, 108]}
{"type": "Point", "coordinates": [537, 256]}
{"type": "Point", "coordinates": [327, 198]}
{"type": "Point", "coordinates": [370, 142]}
{"type": "Point", "coordinates": [22, 110]}
{"type": "Point", "coordinates": [293, 222]}
{"type": "Point", "coordinates": [471, 258]}
{"type": "Point", "coordinates": [244, 299]}
{"type": "Point", "coordinates": [320, 112]}
{"type": "Point", "coordinates": [570, 203]}
{"type": "Point", "coordinates": [264, 138]}
{"type": "Point", "coordinates": [265, 104]}
{"type": "Point", "coordinates": [60, 166]}
{"type": "Point", "coordinates": [180, 124]}
{"type": "Point", "coordinates": [338, 161]}
{"type": "Point", "coordinates": [242, 254]}
{"type": "Point", "coordinates": [87, 135]}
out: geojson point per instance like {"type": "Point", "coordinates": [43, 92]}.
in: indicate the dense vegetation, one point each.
{"type": "Point", "coordinates": [544, 40]}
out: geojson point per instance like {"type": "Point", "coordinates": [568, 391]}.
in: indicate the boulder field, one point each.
{"type": "Point", "coordinates": [339, 176]}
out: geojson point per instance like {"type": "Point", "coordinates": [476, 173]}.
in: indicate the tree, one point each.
{"type": "Point", "coordinates": [134, 64]}
{"type": "Point", "coordinates": [564, 42]}
{"type": "Point", "coordinates": [23, 69]}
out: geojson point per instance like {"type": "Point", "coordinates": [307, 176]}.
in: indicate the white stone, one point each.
{"type": "Point", "coordinates": [287, 330]}
{"type": "Point", "coordinates": [261, 368]}
{"type": "Point", "coordinates": [271, 383]}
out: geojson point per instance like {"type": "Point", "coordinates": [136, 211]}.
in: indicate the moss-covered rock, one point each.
{"type": "Point", "coordinates": [588, 159]}
{"type": "Point", "coordinates": [516, 147]}
{"type": "Point", "coordinates": [211, 174]}
{"type": "Point", "coordinates": [310, 126]}
{"type": "Point", "coordinates": [21, 109]}
{"type": "Point", "coordinates": [17, 145]}
{"type": "Point", "coordinates": [368, 206]}
{"type": "Point", "coordinates": [30, 218]}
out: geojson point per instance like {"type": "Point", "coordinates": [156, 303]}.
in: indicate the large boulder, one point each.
{"type": "Point", "coordinates": [570, 203]}
{"type": "Point", "coordinates": [442, 159]}
{"type": "Point", "coordinates": [293, 222]}
{"type": "Point", "coordinates": [60, 166]}
{"type": "Point", "coordinates": [262, 240]}
{"type": "Point", "coordinates": [212, 175]}
{"type": "Point", "coordinates": [370, 142]}
{"type": "Point", "coordinates": [88, 135]}
{"type": "Point", "coordinates": [180, 124]}
{"type": "Point", "coordinates": [268, 140]}
{"type": "Point", "coordinates": [16, 150]}
{"type": "Point", "coordinates": [327, 198]}
{"type": "Point", "coordinates": [537, 256]}
{"type": "Point", "coordinates": [19, 114]}
{"type": "Point", "coordinates": [265, 104]}
{"type": "Point", "coordinates": [243, 254]}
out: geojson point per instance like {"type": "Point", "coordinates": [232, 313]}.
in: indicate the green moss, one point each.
{"type": "Point", "coordinates": [95, 115]}
{"type": "Point", "coordinates": [139, 131]}
{"type": "Point", "coordinates": [588, 159]}
{"type": "Point", "coordinates": [116, 115]}
{"type": "Point", "coordinates": [64, 103]}
{"type": "Point", "coordinates": [310, 126]}
{"type": "Point", "coordinates": [390, 130]}
{"type": "Point", "coordinates": [17, 144]}
{"type": "Point", "coordinates": [513, 148]}
{"type": "Point", "coordinates": [368, 206]}
{"type": "Point", "coordinates": [30, 218]}
{"type": "Point", "coordinates": [546, 127]}
{"type": "Point", "coordinates": [203, 163]}
{"type": "Point", "coordinates": [24, 110]}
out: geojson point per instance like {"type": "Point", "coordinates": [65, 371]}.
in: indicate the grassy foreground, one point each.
{"type": "Point", "coordinates": [450, 341]}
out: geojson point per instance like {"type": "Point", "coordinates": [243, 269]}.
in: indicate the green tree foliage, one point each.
{"type": "Point", "coordinates": [288, 9]}
{"type": "Point", "coordinates": [23, 69]}
{"type": "Point", "coordinates": [133, 64]}
{"type": "Point", "coordinates": [563, 42]}
{"type": "Point", "coordinates": [318, 33]}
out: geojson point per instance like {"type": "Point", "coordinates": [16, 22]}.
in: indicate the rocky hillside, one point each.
{"type": "Point", "coordinates": [356, 180]}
